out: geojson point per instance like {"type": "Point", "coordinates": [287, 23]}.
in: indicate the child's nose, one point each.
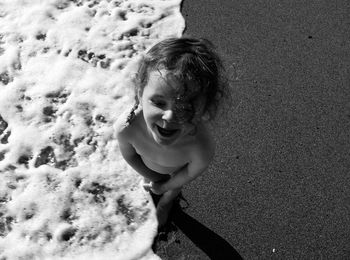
{"type": "Point", "coordinates": [168, 115]}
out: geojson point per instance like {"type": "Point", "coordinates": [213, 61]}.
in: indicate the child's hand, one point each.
{"type": "Point", "coordinates": [147, 186]}
{"type": "Point", "coordinates": [157, 188]}
{"type": "Point", "coordinates": [154, 187]}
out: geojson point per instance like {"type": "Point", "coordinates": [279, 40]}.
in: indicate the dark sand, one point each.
{"type": "Point", "coordinates": [279, 187]}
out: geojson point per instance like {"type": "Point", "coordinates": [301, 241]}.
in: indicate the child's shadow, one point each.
{"type": "Point", "coordinates": [213, 245]}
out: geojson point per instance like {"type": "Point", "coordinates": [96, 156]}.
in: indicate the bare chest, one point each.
{"type": "Point", "coordinates": [159, 159]}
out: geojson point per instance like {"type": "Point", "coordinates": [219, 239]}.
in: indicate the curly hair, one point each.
{"type": "Point", "coordinates": [186, 59]}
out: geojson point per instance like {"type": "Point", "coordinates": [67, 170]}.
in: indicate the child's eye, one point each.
{"type": "Point", "coordinates": [158, 103]}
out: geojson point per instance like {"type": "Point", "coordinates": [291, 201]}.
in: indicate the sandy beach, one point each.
{"type": "Point", "coordinates": [279, 185]}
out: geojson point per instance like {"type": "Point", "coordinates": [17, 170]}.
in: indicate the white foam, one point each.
{"type": "Point", "coordinates": [65, 67]}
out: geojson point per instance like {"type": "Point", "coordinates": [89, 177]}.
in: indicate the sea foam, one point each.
{"type": "Point", "coordinates": [65, 77]}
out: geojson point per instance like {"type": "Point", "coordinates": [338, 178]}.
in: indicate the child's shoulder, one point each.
{"type": "Point", "coordinates": [205, 145]}
{"type": "Point", "coordinates": [125, 123]}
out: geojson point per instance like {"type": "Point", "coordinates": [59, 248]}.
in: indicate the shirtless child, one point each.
{"type": "Point", "coordinates": [165, 137]}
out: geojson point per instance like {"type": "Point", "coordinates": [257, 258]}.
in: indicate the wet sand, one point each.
{"type": "Point", "coordinates": [279, 185]}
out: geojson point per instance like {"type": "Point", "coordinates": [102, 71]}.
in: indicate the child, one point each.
{"type": "Point", "coordinates": [165, 137]}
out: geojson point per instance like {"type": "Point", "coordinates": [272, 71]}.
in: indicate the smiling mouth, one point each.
{"type": "Point", "coordinates": [166, 132]}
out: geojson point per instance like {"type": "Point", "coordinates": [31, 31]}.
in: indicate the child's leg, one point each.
{"type": "Point", "coordinates": [165, 204]}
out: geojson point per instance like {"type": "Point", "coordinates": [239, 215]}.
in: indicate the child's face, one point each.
{"type": "Point", "coordinates": [164, 113]}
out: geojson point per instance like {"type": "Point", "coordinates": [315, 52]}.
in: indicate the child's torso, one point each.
{"type": "Point", "coordinates": [159, 160]}
{"type": "Point", "coordinates": [158, 167]}
{"type": "Point", "coordinates": [164, 160]}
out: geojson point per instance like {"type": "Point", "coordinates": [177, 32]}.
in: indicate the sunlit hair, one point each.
{"type": "Point", "coordinates": [186, 59]}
